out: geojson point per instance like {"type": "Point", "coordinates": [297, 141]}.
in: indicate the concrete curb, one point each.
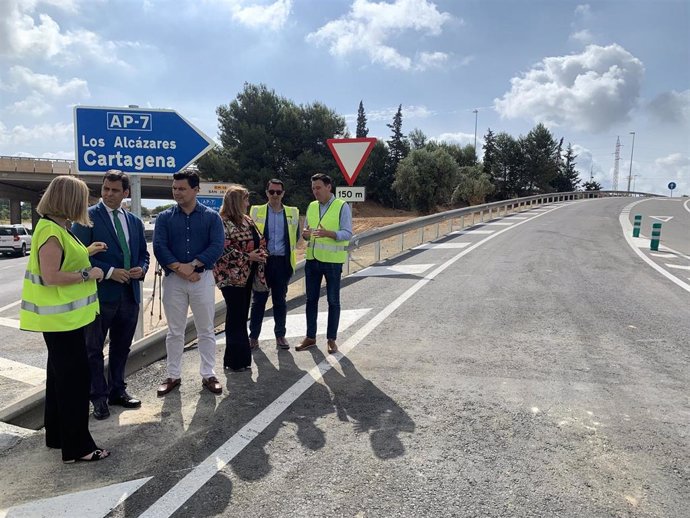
{"type": "Point", "coordinates": [28, 411]}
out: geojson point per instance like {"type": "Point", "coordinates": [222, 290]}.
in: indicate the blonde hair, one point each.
{"type": "Point", "coordinates": [233, 208]}
{"type": "Point", "coordinates": [66, 197]}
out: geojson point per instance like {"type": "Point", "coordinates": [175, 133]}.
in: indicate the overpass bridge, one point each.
{"type": "Point", "coordinates": [24, 180]}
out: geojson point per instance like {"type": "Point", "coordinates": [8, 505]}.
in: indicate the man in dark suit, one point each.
{"type": "Point", "coordinates": [124, 264]}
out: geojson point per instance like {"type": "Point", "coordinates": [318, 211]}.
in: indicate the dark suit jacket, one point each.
{"type": "Point", "coordinates": [103, 230]}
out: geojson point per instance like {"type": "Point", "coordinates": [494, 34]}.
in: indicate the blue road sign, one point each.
{"type": "Point", "coordinates": [135, 140]}
{"type": "Point", "coordinates": [672, 185]}
{"type": "Point", "coordinates": [213, 202]}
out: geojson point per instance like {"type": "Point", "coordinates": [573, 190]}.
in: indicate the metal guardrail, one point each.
{"type": "Point", "coordinates": [28, 412]}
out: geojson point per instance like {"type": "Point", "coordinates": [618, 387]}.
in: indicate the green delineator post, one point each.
{"type": "Point", "coordinates": [656, 235]}
{"type": "Point", "coordinates": [637, 225]}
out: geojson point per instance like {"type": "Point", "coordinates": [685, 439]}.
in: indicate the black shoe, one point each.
{"type": "Point", "coordinates": [100, 410]}
{"type": "Point", "coordinates": [125, 400]}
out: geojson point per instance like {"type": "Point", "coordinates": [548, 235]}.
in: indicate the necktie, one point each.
{"type": "Point", "coordinates": [122, 239]}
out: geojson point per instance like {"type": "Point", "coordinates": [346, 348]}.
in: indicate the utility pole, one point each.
{"type": "Point", "coordinates": [632, 150]}
{"type": "Point", "coordinates": [614, 184]}
{"type": "Point", "coordinates": [476, 114]}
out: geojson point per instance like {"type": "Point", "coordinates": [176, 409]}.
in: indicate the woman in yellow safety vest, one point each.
{"type": "Point", "coordinates": [59, 299]}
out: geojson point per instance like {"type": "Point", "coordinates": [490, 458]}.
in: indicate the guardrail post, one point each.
{"type": "Point", "coordinates": [656, 236]}
{"type": "Point", "coordinates": [481, 216]}
{"type": "Point", "coordinates": [347, 265]}
{"type": "Point", "coordinates": [636, 225]}
{"type": "Point", "coordinates": [377, 251]}
{"type": "Point", "coordinates": [402, 241]}
{"type": "Point", "coordinates": [437, 231]}
{"type": "Point", "coordinates": [462, 222]}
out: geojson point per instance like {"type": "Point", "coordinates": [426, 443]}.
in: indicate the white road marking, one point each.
{"type": "Point", "coordinates": [296, 324]}
{"type": "Point", "coordinates": [662, 218]}
{"type": "Point", "coordinates": [9, 322]}
{"type": "Point", "coordinates": [464, 232]}
{"type": "Point", "coordinates": [22, 372]}
{"type": "Point", "coordinates": [94, 503]}
{"type": "Point", "coordinates": [447, 246]}
{"type": "Point", "coordinates": [678, 266]}
{"type": "Point", "coordinates": [624, 220]}
{"type": "Point", "coordinates": [686, 205]}
{"type": "Point", "coordinates": [397, 269]}
{"type": "Point", "coordinates": [664, 256]}
{"type": "Point", "coordinates": [517, 217]}
{"type": "Point", "coordinates": [4, 308]}
{"type": "Point", "coordinates": [500, 223]}
{"type": "Point", "coordinates": [171, 501]}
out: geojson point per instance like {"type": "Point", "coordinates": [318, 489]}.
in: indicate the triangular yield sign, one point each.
{"type": "Point", "coordinates": [662, 218]}
{"type": "Point", "coordinates": [350, 154]}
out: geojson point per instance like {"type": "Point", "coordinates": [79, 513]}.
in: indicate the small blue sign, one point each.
{"type": "Point", "coordinates": [212, 202]}
{"type": "Point", "coordinates": [672, 185]}
{"type": "Point", "coordinates": [136, 141]}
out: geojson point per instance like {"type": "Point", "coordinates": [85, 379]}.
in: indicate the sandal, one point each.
{"type": "Point", "coordinates": [95, 455]}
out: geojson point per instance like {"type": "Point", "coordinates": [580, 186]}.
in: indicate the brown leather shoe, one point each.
{"type": "Point", "coordinates": [282, 343]}
{"type": "Point", "coordinates": [306, 344]}
{"type": "Point", "coordinates": [332, 347]}
{"type": "Point", "coordinates": [212, 384]}
{"type": "Point", "coordinates": [167, 386]}
{"type": "Point", "coordinates": [253, 343]}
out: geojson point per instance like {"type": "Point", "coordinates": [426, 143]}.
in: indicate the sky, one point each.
{"type": "Point", "coordinates": [591, 72]}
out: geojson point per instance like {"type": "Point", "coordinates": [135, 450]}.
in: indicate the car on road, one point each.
{"type": "Point", "coordinates": [15, 239]}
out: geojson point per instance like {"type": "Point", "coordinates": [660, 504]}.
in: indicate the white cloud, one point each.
{"type": "Point", "coordinates": [583, 11]}
{"type": "Point", "coordinates": [42, 90]}
{"type": "Point", "coordinates": [671, 107]}
{"type": "Point", "coordinates": [460, 138]}
{"type": "Point", "coordinates": [23, 78]}
{"type": "Point", "coordinates": [259, 15]}
{"type": "Point", "coordinates": [20, 135]}
{"type": "Point", "coordinates": [590, 91]}
{"type": "Point", "coordinates": [584, 36]}
{"type": "Point", "coordinates": [369, 27]}
{"type": "Point", "coordinates": [24, 33]}
{"type": "Point", "coordinates": [408, 112]}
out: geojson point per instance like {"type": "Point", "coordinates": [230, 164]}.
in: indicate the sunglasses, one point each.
{"type": "Point", "coordinates": [274, 193]}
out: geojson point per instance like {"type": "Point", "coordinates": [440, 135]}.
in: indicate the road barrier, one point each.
{"type": "Point", "coordinates": [656, 236]}
{"type": "Point", "coordinates": [637, 225]}
{"type": "Point", "coordinates": [28, 412]}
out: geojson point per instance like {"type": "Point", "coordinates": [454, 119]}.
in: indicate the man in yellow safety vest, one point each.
{"type": "Point", "coordinates": [328, 232]}
{"type": "Point", "coordinates": [280, 226]}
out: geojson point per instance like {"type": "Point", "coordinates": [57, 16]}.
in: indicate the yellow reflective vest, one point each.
{"type": "Point", "coordinates": [57, 308]}
{"type": "Point", "coordinates": [325, 249]}
{"type": "Point", "coordinates": [259, 213]}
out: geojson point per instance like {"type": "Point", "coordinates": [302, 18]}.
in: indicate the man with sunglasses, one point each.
{"type": "Point", "coordinates": [280, 226]}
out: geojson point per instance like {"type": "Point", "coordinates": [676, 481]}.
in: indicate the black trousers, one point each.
{"type": "Point", "coordinates": [67, 394]}
{"type": "Point", "coordinates": [237, 355]}
{"type": "Point", "coordinates": [120, 319]}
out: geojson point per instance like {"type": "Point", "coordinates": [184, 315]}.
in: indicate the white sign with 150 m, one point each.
{"type": "Point", "coordinates": [351, 193]}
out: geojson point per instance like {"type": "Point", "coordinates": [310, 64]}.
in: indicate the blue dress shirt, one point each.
{"type": "Point", "coordinates": [180, 237]}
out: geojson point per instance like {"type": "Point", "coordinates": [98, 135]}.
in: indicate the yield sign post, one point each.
{"type": "Point", "coordinates": [351, 154]}
{"type": "Point", "coordinates": [135, 140]}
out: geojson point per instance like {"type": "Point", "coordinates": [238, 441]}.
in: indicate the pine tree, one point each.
{"type": "Point", "coordinates": [567, 179]}
{"type": "Point", "coordinates": [489, 154]}
{"type": "Point", "coordinates": [362, 130]}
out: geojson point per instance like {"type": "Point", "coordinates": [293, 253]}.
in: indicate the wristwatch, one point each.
{"type": "Point", "coordinates": [84, 274]}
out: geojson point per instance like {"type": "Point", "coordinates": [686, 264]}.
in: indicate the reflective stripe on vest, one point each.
{"type": "Point", "coordinates": [259, 213]}
{"type": "Point", "coordinates": [325, 249]}
{"type": "Point", "coordinates": [62, 308]}
{"type": "Point", "coordinates": [57, 307]}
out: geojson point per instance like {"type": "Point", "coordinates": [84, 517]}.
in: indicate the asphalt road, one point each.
{"type": "Point", "coordinates": [538, 367]}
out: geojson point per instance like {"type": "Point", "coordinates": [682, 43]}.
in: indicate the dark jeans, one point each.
{"type": "Point", "coordinates": [237, 352]}
{"type": "Point", "coordinates": [314, 271]}
{"type": "Point", "coordinates": [120, 319]}
{"type": "Point", "coordinates": [278, 273]}
{"type": "Point", "coordinates": [67, 394]}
